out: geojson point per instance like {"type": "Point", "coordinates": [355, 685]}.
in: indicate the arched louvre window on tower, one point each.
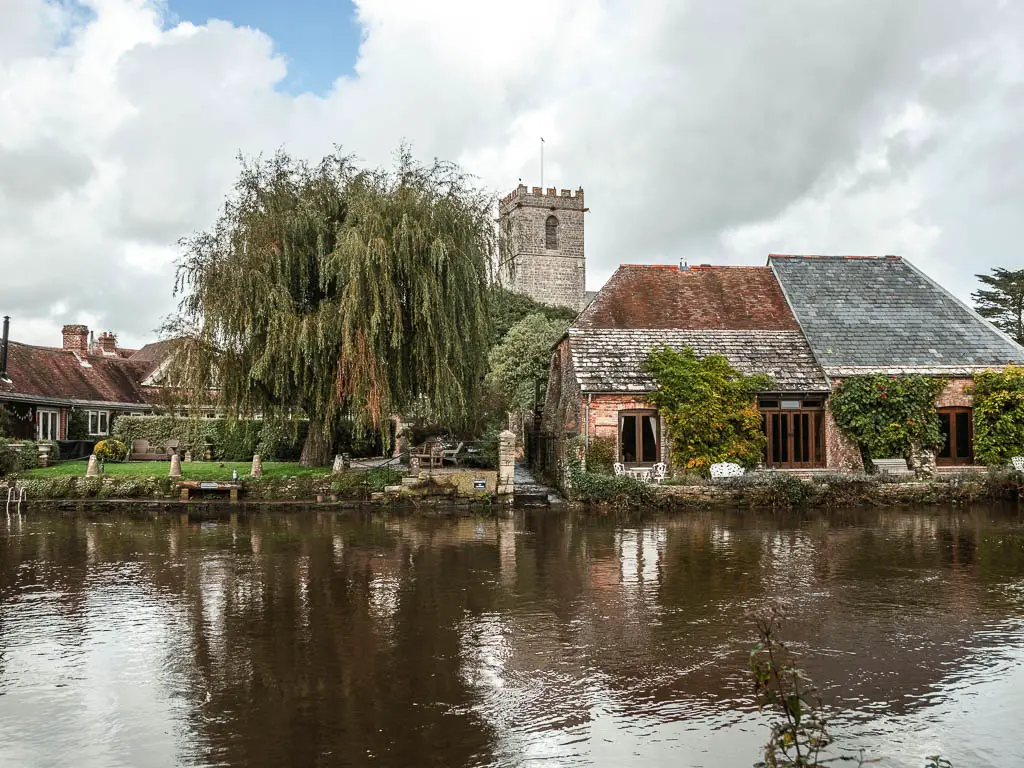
{"type": "Point", "coordinates": [551, 233]}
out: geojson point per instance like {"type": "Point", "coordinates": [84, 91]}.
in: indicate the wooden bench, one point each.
{"type": "Point", "coordinates": [892, 467]}
{"type": "Point", "coordinates": [142, 450]}
{"type": "Point", "coordinates": [185, 487]}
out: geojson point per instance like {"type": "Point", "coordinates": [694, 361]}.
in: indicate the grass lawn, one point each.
{"type": "Point", "coordinates": [192, 470]}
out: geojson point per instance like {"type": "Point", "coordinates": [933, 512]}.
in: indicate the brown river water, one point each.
{"type": "Point", "coordinates": [313, 638]}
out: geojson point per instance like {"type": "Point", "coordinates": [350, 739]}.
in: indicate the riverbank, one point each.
{"type": "Point", "coordinates": [385, 487]}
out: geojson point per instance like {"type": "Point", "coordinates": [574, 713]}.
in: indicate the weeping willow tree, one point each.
{"type": "Point", "coordinates": [336, 293]}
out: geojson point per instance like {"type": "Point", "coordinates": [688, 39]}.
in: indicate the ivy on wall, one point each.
{"type": "Point", "coordinates": [999, 415]}
{"type": "Point", "coordinates": [889, 416]}
{"type": "Point", "coordinates": [710, 409]}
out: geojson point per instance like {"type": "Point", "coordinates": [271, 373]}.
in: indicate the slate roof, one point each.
{"type": "Point", "coordinates": [881, 314]}
{"type": "Point", "coordinates": [611, 360]}
{"type": "Point", "coordinates": [738, 312]}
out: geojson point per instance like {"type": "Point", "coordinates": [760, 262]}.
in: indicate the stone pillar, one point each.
{"type": "Point", "coordinates": [44, 455]}
{"type": "Point", "coordinates": [94, 467]}
{"type": "Point", "coordinates": [339, 465]}
{"type": "Point", "coordinates": [257, 466]}
{"type": "Point", "coordinates": [175, 465]}
{"type": "Point", "coordinates": [506, 461]}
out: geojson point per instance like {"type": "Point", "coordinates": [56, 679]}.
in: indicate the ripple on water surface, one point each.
{"type": "Point", "coordinates": [311, 638]}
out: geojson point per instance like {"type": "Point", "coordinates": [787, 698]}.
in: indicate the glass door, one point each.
{"type": "Point", "coordinates": [49, 423]}
{"type": "Point", "coordinates": [957, 426]}
{"type": "Point", "coordinates": [638, 438]}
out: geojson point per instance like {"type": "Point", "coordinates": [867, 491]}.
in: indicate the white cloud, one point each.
{"type": "Point", "coordinates": [708, 131]}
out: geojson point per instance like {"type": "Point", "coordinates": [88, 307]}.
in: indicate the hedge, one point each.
{"type": "Point", "coordinates": [231, 440]}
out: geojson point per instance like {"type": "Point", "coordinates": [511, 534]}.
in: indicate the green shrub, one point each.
{"type": "Point", "coordinates": [601, 455]}
{"type": "Point", "coordinates": [999, 415]}
{"type": "Point", "coordinates": [889, 415]}
{"type": "Point", "coordinates": [78, 425]}
{"type": "Point", "coordinates": [231, 439]}
{"type": "Point", "coordinates": [709, 408]}
{"type": "Point", "coordinates": [111, 450]}
{"type": "Point", "coordinates": [10, 459]}
{"type": "Point", "coordinates": [593, 488]}
{"type": "Point", "coordinates": [28, 455]}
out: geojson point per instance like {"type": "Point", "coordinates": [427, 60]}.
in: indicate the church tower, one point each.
{"type": "Point", "coordinates": [542, 245]}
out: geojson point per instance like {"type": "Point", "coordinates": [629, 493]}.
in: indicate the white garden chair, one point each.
{"type": "Point", "coordinates": [620, 469]}
{"type": "Point", "coordinates": [658, 473]}
{"type": "Point", "coordinates": [726, 469]}
{"type": "Point", "coordinates": [1018, 463]}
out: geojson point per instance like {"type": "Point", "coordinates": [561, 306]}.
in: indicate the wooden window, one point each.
{"type": "Point", "coordinates": [795, 428]}
{"type": "Point", "coordinates": [48, 425]}
{"type": "Point", "coordinates": [551, 233]}
{"type": "Point", "coordinates": [99, 422]}
{"type": "Point", "coordinates": [957, 426]}
{"type": "Point", "coordinates": [639, 439]}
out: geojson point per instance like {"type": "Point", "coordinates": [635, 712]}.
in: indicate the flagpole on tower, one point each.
{"type": "Point", "coordinates": [542, 162]}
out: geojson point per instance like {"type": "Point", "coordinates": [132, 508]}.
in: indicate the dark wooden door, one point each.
{"type": "Point", "coordinates": [796, 438]}
{"type": "Point", "coordinates": [957, 426]}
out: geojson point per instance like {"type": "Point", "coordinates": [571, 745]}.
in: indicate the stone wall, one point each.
{"type": "Point", "coordinates": [554, 276]}
{"type": "Point", "coordinates": [840, 451]}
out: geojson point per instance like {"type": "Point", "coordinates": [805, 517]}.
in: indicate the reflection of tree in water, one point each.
{"type": "Point", "coordinates": [320, 639]}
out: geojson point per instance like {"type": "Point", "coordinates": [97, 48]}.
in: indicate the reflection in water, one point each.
{"type": "Point", "coordinates": [320, 639]}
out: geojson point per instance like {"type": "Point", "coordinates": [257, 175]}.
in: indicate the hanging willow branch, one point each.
{"type": "Point", "coordinates": [339, 293]}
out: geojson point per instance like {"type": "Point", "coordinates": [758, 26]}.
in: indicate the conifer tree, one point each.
{"type": "Point", "coordinates": [334, 293]}
{"type": "Point", "coordinates": [1002, 301]}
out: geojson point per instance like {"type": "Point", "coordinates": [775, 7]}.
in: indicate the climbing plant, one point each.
{"type": "Point", "coordinates": [710, 409]}
{"type": "Point", "coordinates": [889, 415]}
{"type": "Point", "coordinates": [999, 415]}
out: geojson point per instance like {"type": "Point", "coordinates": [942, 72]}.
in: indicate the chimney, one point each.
{"type": "Point", "coordinates": [76, 339]}
{"type": "Point", "coordinates": [108, 344]}
{"type": "Point", "coordinates": [4, 344]}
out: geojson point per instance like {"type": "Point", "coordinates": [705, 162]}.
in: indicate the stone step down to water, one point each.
{"type": "Point", "coordinates": [529, 493]}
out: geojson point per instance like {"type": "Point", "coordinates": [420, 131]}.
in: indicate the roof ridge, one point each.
{"type": "Point", "coordinates": [833, 257]}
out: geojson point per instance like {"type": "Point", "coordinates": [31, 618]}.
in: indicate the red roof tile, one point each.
{"type": "Point", "coordinates": [54, 374]}
{"type": "Point", "coordinates": [701, 297]}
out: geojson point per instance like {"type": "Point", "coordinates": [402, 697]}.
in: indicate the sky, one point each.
{"type": "Point", "coordinates": [711, 132]}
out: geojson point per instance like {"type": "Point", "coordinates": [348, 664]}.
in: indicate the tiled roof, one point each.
{"type": "Point", "coordinates": [153, 355]}
{"type": "Point", "coordinates": [665, 296]}
{"type": "Point", "coordinates": [866, 314]}
{"type": "Point", "coordinates": [738, 312]}
{"type": "Point", "coordinates": [58, 375]}
{"type": "Point", "coordinates": [612, 360]}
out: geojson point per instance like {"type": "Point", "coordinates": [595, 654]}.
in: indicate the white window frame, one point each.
{"type": "Point", "coordinates": [46, 417]}
{"type": "Point", "coordinates": [102, 423]}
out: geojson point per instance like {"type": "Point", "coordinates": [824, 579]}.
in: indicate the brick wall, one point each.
{"type": "Point", "coordinates": [604, 420]}
{"type": "Point", "coordinates": [955, 394]}
{"type": "Point", "coordinates": [555, 276]}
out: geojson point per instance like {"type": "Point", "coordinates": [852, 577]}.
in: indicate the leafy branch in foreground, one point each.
{"type": "Point", "coordinates": [800, 735]}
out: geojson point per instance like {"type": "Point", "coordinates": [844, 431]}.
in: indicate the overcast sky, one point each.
{"type": "Point", "coordinates": [712, 131]}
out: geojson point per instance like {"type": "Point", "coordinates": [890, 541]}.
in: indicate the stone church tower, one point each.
{"type": "Point", "coordinates": [542, 245]}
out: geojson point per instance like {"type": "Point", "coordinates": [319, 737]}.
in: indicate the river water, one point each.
{"type": "Point", "coordinates": [314, 638]}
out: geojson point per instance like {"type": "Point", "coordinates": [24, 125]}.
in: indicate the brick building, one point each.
{"type": "Point", "coordinates": [42, 386]}
{"type": "Point", "coordinates": [806, 322]}
{"type": "Point", "coordinates": [542, 245]}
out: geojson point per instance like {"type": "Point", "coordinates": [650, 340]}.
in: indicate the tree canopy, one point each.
{"type": "Point", "coordinates": [506, 308]}
{"type": "Point", "coordinates": [1002, 301]}
{"type": "Point", "coordinates": [339, 292]}
{"type": "Point", "coordinates": [522, 358]}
